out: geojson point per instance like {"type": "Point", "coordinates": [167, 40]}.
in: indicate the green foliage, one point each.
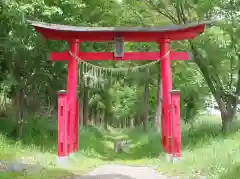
{"type": "Point", "coordinates": [25, 46]}
{"type": "Point", "coordinates": [24, 56]}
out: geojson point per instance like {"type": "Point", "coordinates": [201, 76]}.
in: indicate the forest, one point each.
{"type": "Point", "coordinates": [122, 104]}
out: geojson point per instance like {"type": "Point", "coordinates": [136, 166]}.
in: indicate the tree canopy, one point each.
{"type": "Point", "coordinates": [29, 81]}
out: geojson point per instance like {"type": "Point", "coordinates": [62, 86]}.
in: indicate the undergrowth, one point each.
{"type": "Point", "coordinates": [206, 152]}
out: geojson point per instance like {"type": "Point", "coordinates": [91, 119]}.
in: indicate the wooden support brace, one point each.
{"type": "Point", "coordinates": [62, 124]}
{"type": "Point", "coordinates": [176, 124]}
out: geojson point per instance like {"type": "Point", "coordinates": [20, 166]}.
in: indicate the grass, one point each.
{"type": "Point", "coordinates": [46, 174]}
{"type": "Point", "coordinates": [39, 146]}
{"type": "Point", "coordinates": [206, 152]}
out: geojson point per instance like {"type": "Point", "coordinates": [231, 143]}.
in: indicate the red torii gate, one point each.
{"type": "Point", "coordinates": [68, 125]}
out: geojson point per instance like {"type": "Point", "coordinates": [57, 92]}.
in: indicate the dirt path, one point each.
{"type": "Point", "coordinates": [123, 172]}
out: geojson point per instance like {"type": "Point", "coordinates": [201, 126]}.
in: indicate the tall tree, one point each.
{"type": "Point", "coordinates": [224, 85]}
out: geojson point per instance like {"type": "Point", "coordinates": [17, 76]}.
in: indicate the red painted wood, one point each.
{"type": "Point", "coordinates": [96, 55]}
{"type": "Point", "coordinates": [166, 87]}
{"type": "Point", "coordinates": [68, 127]}
{"type": "Point", "coordinates": [59, 56]}
{"type": "Point", "coordinates": [187, 33]}
{"type": "Point", "coordinates": [176, 121]}
{"type": "Point", "coordinates": [62, 56]}
{"type": "Point", "coordinates": [72, 92]}
{"type": "Point", "coordinates": [62, 125]}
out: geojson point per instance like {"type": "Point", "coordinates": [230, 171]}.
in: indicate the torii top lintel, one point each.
{"type": "Point", "coordinates": [141, 34]}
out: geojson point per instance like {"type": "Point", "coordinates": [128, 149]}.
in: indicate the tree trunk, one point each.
{"type": "Point", "coordinates": [81, 97]}
{"type": "Point", "coordinates": [85, 107]}
{"type": "Point", "coordinates": [105, 122]}
{"type": "Point", "coordinates": [106, 119]}
{"type": "Point", "coordinates": [81, 111]}
{"type": "Point", "coordinates": [93, 116]}
{"type": "Point", "coordinates": [227, 103]}
{"type": "Point", "coordinates": [159, 104]}
{"type": "Point", "coordinates": [19, 113]}
{"type": "Point", "coordinates": [110, 120]}
{"type": "Point", "coordinates": [129, 122]}
{"type": "Point", "coordinates": [122, 123]}
{"type": "Point", "coordinates": [20, 104]}
{"type": "Point", "coordinates": [227, 115]}
{"type": "Point", "coordinates": [137, 119]}
{"type": "Point", "coordinates": [102, 116]}
{"type": "Point", "coordinates": [98, 118]}
{"type": "Point", "coordinates": [209, 72]}
{"type": "Point", "coordinates": [145, 104]}
{"type": "Point", "coordinates": [226, 125]}
{"type": "Point", "coordinates": [132, 122]}
{"type": "Point", "coordinates": [108, 107]}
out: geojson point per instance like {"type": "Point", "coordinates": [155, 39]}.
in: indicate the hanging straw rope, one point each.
{"type": "Point", "coordinates": [117, 69]}
{"type": "Point", "coordinates": [93, 74]}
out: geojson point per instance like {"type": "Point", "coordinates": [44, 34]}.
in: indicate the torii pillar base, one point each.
{"type": "Point", "coordinates": [63, 162]}
{"type": "Point", "coordinates": [64, 130]}
{"type": "Point", "coordinates": [175, 152]}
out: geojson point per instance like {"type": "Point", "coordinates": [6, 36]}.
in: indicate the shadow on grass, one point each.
{"type": "Point", "coordinates": [233, 172]}
{"type": "Point", "coordinates": [35, 132]}
{"type": "Point", "coordinates": [94, 143]}
{"type": "Point", "coordinates": [148, 145]}
{"type": "Point", "coordinates": [106, 176]}
{"type": "Point", "coordinates": [43, 174]}
{"type": "Point", "coordinates": [43, 135]}
{"type": "Point", "coordinates": [204, 133]}
{"type": "Point", "coordinates": [143, 146]}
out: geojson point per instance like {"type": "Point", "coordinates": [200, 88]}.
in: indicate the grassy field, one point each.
{"type": "Point", "coordinates": [206, 152]}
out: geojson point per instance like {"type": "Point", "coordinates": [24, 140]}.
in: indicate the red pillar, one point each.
{"type": "Point", "coordinates": [62, 124]}
{"type": "Point", "coordinates": [176, 124]}
{"type": "Point", "coordinates": [72, 92]}
{"type": "Point", "coordinates": [166, 88]}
